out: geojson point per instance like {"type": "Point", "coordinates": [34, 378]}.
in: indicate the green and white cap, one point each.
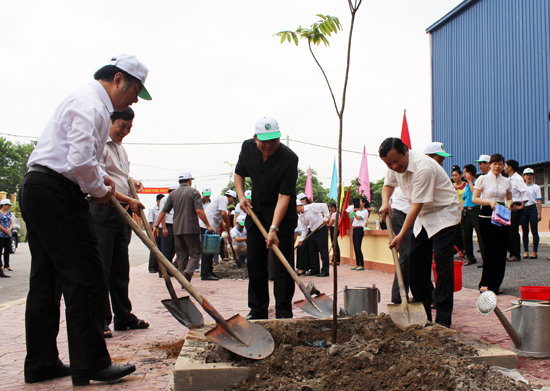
{"type": "Point", "coordinates": [528, 171]}
{"type": "Point", "coordinates": [267, 128]}
{"type": "Point", "coordinates": [248, 194]}
{"type": "Point", "coordinates": [436, 148]}
{"type": "Point", "coordinates": [134, 67]}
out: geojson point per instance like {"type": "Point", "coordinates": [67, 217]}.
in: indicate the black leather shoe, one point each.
{"type": "Point", "coordinates": [4, 276]}
{"type": "Point", "coordinates": [322, 275]}
{"type": "Point", "coordinates": [209, 278]}
{"type": "Point", "coordinates": [111, 373]}
{"type": "Point", "coordinates": [218, 277]}
{"type": "Point", "coordinates": [59, 371]}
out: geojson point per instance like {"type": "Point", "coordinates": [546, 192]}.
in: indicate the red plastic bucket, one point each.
{"type": "Point", "coordinates": [458, 275]}
{"type": "Point", "coordinates": [535, 292]}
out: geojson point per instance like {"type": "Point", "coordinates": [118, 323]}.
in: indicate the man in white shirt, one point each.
{"type": "Point", "coordinates": [435, 214]}
{"type": "Point", "coordinates": [216, 213]}
{"type": "Point", "coordinates": [113, 234]}
{"type": "Point", "coordinates": [166, 227]}
{"type": "Point", "coordinates": [63, 167]}
{"type": "Point", "coordinates": [436, 151]}
{"type": "Point", "coordinates": [151, 219]}
{"type": "Point", "coordinates": [238, 236]}
{"type": "Point", "coordinates": [483, 162]}
{"type": "Point", "coordinates": [520, 196]}
{"type": "Point", "coordinates": [315, 216]}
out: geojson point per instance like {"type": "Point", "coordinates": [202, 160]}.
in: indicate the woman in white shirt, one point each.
{"type": "Point", "coordinates": [531, 214]}
{"type": "Point", "coordinates": [489, 190]}
{"type": "Point", "coordinates": [359, 221]}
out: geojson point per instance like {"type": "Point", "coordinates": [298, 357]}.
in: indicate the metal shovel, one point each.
{"type": "Point", "coordinates": [320, 306]}
{"type": "Point", "coordinates": [405, 314]}
{"type": "Point", "coordinates": [181, 308]}
{"type": "Point", "coordinates": [236, 334]}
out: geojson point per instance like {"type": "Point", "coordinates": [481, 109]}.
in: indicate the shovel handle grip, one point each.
{"type": "Point", "coordinates": [398, 273]}
{"type": "Point", "coordinates": [151, 246]}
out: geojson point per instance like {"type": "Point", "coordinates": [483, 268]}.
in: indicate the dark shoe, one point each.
{"type": "Point", "coordinates": [107, 332]}
{"type": "Point", "coordinates": [135, 325]}
{"type": "Point", "coordinates": [59, 371]}
{"type": "Point", "coordinates": [470, 262]}
{"type": "Point", "coordinates": [322, 275]}
{"type": "Point", "coordinates": [312, 272]}
{"type": "Point", "coordinates": [111, 373]}
{"type": "Point", "coordinates": [514, 259]}
{"type": "Point", "coordinates": [187, 276]}
{"type": "Point", "coordinates": [480, 266]}
{"type": "Point", "coordinates": [9, 268]}
{"type": "Point", "coordinates": [218, 277]}
{"type": "Point", "coordinates": [209, 278]}
{"type": "Point", "coordinates": [4, 276]}
{"type": "Point", "coordinates": [252, 317]}
{"type": "Point", "coordinates": [533, 256]}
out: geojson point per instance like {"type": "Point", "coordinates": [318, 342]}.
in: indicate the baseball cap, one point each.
{"type": "Point", "coordinates": [483, 159]}
{"type": "Point", "coordinates": [299, 203]}
{"type": "Point", "coordinates": [174, 186]}
{"type": "Point", "coordinates": [185, 175]}
{"type": "Point", "coordinates": [240, 219]}
{"type": "Point", "coordinates": [134, 67]}
{"type": "Point", "coordinates": [436, 148]}
{"type": "Point", "coordinates": [301, 196]}
{"type": "Point", "coordinates": [231, 193]}
{"type": "Point", "coordinates": [267, 128]}
{"type": "Point", "coordinates": [5, 201]}
{"type": "Point", "coordinates": [528, 171]}
{"type": "Point", "coordinates": [206, 191]}
{"type": "Point", "coordinates": [248, 194]}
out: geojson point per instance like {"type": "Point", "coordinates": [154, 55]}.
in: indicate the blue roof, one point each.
{"type": "Point", "coordinates": [454, 12]}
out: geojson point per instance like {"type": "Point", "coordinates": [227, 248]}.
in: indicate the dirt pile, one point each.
{"type": "Point", "coordinates": [371, 354]}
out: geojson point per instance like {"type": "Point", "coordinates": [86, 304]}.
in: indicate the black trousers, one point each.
{"type": "Point", "coordinates": [495, 240]}
{"type": "Point", "coordinates": [64, 260]}
{"type": "Point", "coordinates": [302, 256]}
{"type": "Point", "coordinates": [470, 221]}
{"type": "Point", "coordinates": [397, 222]}
{"type": "Point", "coordinates": [514, 247]}
{"type": "Point", "coordinates": [5, 247]}
{"type": "Point", "coordinates": [168, 248]}
{"type": "Point", "coordinates": [335, 249]}
{"type": "Point", "coordinates": [358, 233]}
{"type": "Point", "coordinates": [318, 244]}
{"type": "Point", "coordinates": [153, 262]}
{"type": "Point", "coordinates": [441, 245]}
{"type": "Point", "coordinates": [113, 238]}
{"type": "Point", "coordinates": [258, 287]}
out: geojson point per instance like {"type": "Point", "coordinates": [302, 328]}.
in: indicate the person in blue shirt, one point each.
{"type": "Point", "coordinates": [470, 216]}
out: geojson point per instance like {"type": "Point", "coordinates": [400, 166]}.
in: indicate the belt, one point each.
{"type": "Point", "coordinates": [530, 206]}
{"type": "Point", "coordinates": [47, 171]}
{"type": "Point", "coordinates": [472, 207]}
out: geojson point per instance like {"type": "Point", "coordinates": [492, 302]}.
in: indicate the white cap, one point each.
{"type": "Point", "coordinates": [483, 159]}
{"type": "Point", "coordinates": [301, 196]}
{"type": "Point", "coordinates": [231, 193]}
{"type": "Point", "coordinates": [436, 148]}
{"type": "Point", "coordinates": [174, 186]}
{"type": "Point", "coordinates": [5, 201]}
{"type": "Point", "coordinates": [206, 191]}
{"type": "Point", "coordinates": [185, 175]}
{"type": "Point", "coordinates": [240, 219]}
{"type": "Point", "coordinates": [267, 128]}
{"type": "Point", "coordinates": [299, 203]}
{"type": "Point", "coordinates": [248, 194]}
{"type": "Point", "coordinates": [528, 171]}
{"type": "Point", "coordinates": [134, 67]}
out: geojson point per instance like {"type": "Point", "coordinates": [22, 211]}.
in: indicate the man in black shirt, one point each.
{"type": "Point", "coordinates": [273, 168]}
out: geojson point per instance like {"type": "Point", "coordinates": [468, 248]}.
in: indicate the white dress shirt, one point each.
{"type": "Point", "coordinates": [426, 182]}
{"type": "Point", "coordinates": [360, 218]}
{"type": "Point", "coordinates": [534, 194]}
{"type": "Point", "coordinates": [520, 192]}
{"type": "Point", "coordinates": [153, 214]}
{"type": "Point", "coordinates": [493, 188]}
{"type": "Point", "coordinates": [214, 211]}
{"type": "Point", "coordinates": [314, 215]}
{"type": "Point", "coordinates": [115, 163]}
{"type": "Point", "coordinates": [204, 205]}
{"type": "Point", "coordinates": [399, 201]}
{"type": "Point", "coordinates": [72, 141]}
{"type": "Point", "coordinates": [169, 217]}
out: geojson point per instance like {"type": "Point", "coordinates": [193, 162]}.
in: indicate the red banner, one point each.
{"type": "Point", "coordinates": [154, 190]}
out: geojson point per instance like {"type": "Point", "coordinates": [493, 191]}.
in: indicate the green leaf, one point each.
{"type": "Point", "coordinates": [295, 38]}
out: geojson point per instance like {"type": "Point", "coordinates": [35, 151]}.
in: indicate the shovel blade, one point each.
{"type": "Point", "coordinates": [189, 315]}
{"type": "Point", "coordinates": [258, 343]}
{"type": "Point", "coordinates": [322, 301]}
{"type": "Point", "coordinates": [408, 314]}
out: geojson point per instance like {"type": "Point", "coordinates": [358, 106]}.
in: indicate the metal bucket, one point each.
{"type": "Point", "coordinates": [531, 320]}
{"type": "Point", "coordinates": [357, 300]}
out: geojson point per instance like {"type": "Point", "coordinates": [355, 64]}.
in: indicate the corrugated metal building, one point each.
{"type": "Point", "coordinates": [490, 64]}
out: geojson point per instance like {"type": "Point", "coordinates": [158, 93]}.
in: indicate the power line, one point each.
{"type": "Point", "coordinates": [334, 148]}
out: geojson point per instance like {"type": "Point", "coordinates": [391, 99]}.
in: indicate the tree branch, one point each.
{"type": "Point", "coordinates": [326, 79]}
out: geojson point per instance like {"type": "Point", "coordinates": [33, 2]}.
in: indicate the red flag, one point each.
{"type": "Point", "coordinates": [405, 132]}
{"type": "Point", "coordinates": [343, 224]}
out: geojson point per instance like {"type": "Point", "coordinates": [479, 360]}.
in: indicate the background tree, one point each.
{"type": "Point", "coordinates": [320, 194]}
{"type": "Point", "coordinates": [13, 164]}
{"type": "Point", "coordinates": [231, 186]}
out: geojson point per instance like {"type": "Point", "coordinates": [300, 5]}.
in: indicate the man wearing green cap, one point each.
{"type": "Point", "coordinates": [273, 168]}
{"type": "Point", "coordinates": [437, 152]}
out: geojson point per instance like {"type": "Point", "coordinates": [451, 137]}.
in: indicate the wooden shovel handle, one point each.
{"type": "Point", "coordinates": [398, 273]}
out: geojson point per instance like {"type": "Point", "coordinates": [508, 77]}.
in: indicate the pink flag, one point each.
{"type": "Point", "coordinates": [364, 188]}
{"type": "Point", "coordinates": [309, 188]}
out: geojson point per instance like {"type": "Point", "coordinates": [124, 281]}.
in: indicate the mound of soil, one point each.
{"type": "Point", "coordinates": [371, 354]}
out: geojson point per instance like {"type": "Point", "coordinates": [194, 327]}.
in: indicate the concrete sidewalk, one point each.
{"type": "Point", "coordinates": [140, 347]}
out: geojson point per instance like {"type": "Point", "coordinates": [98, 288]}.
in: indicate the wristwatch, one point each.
{"type": "Point", "coordinates": [157, 227]}
{"type": "Point", "coordinates": [275, 228]}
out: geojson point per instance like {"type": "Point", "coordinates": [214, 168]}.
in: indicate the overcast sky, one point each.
{"type": "Point", "coordinates": [215, 67]}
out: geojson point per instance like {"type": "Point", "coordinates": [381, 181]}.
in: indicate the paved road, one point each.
{"type": "Point", "coordinates": [16, 287]}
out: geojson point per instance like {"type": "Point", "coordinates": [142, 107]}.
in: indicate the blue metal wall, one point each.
{"type": "Point", "coordinates": [490, 81]}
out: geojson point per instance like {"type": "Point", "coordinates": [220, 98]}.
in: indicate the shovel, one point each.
{"type": "Point", "coordinates": [405, 314]}
{"type": "Point", "coordinates": [311, 233]}
{"type": "Point", "coordinates": [182, 308]}
{"type": "Point", "coordinates": [237, 335]}
{"type": "Point", "coordinates": [318, 307]}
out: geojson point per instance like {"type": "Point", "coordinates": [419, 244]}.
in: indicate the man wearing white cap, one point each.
{"type": "Point", "coordinates": [315, 216]}
{"type": "Point", "coordinates": [187, 205]}
{"type": "Point", "coordinates": [167, 247]}
{"type": "Point", "coordinates": [63, 168]}
{"type": "Point", "coordinates": [113, 234]}
{"type": "Point", "coordinates": [273, 168]}
{"type": "Point", "coordinates": [483, 162]}
{"type": "Point", "coordinates": [238, 210]}
{"type": "Point", "coordinates": [238, 235]}
{"type": "Point", "coordinates": [217, 215]}
{"type": "Point", "coordinates": [436, 151]}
